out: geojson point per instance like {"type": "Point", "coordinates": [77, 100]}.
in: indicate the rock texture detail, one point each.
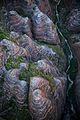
{"type": "Point", "coordinates": [32, 79]}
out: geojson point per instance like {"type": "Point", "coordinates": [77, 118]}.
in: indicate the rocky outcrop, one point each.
{"type": "Point", "coordinates": [73, 20]}
{"type": "Point", "coordinates": [33, 82]}
{"type": "Point", "coordinates": [43, 105]}
{"type": "Point", "coordinates": [19, 24]}
{"type": "Point", "coordinates": [71, 34]}
{"type": "Point", "coordinates": [43, 28]}
{"type": "Point", "coordinates": [44, 6]}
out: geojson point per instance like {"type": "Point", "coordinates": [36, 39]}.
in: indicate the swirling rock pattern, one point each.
{"type": "Point", "coordinates": [27, 43]}
{"type": "Point", "coordinates": [13, 87]}
{"type": "Point", "coordinates": [45, 95]}
{"type": "Point", "coordinates": [47, 67]}
{"type": "Point", "coordinates": [13, 49]}
{"type": "Point", "coordinates": [19, 24]}
{"type": "Point", "coordinates": [43, 28]}
{"type": "Point", "coordinates": [42, 103]}
{"type": "Point", "coordinates": [39, 100]}
{"type": "Point", "coordinates": [36, 51]}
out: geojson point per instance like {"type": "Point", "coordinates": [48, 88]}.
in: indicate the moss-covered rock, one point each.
{"type": "Point", "coordinates": [14, 62]}
{"type": "Point", "coordinates": [4, 34]}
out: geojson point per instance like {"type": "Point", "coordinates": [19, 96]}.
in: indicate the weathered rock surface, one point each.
{"type": "Point", "coordinates": [44, 6]}
{"type": "Point", "coordinates": [76, 48]}
{"type": "Point", "coordinates": [43, 28]}
{"type": "Point", "coordinates": [13, 87]}
{"type": "Point", "coordinates": [73, 21]}
{"type": "Point", "coordinates": [13, 49]}
{"type": "Point", "coordinates": [47, 67]}
{"type": "Point", "coordinates": [32, 80]}
{"type": "Point", "coordinates": [43, 104]}
{"type": "Point", "coordinates": [19, 24]}
{"type": "Point", "coordinates": [2, 60]}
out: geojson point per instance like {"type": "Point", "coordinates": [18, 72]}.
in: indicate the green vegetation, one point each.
{"type": "Point", "coordinates": [24, 114]}
{"type": "Point", "coordinates": [14, 62]}
{"type": "Point", "coordinates": [23, 75]}
{"type": "Point", "coordinates": [57, 49]}
{"type": "Point", "coordinates": [4, 34]}
{"type": "Point", "coordinates": [32, 71]}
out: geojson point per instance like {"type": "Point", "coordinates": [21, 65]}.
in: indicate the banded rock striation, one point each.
{"type": "Point", "coordinates": [41, 87]}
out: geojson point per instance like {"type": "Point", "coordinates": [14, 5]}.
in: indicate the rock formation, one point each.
{"type": "Point", "coordinates": [34, 82]}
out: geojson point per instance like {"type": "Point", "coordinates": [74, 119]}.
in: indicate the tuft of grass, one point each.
{"type": "Point", "coordinates": [24, 75]}
{"type": "Point", "coordinates": [4, 34]}
{"type": "Point", "coordinates": [14, 62]}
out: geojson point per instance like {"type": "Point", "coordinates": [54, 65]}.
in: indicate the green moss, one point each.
{"type": "Point", "coordinates": [32, 71]}
{"type": "Point", "coordinates": [23, 75]}
{"type": "Point", "coordinates": [14, 62]}
{"type": "Point", "coordinates": [4, 34]}
{"type": "Point", "coordinates": [12, 112]}
{"type": "Point", "coordinates": [57, 49]}
{"type": "Point", "coordinates": [35, 72]}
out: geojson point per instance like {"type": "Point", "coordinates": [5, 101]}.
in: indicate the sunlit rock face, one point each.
{"type": "Point", "coordinates": [42, 103]}
{"type": "Point", "coordinates": [47, 67]}
{"type": "Point", "coordinates": [43, 28]}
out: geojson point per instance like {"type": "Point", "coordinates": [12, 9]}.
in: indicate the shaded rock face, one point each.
{"type": "Point", "coordinates": [19, 24]}
{"type": "Point", "coordinates": [70, 4]}
{"type": "Point", "coordinates": [32, 79]}
{"type": "Point", "coordinates": [2, 60]}
{"type": "Point", "coordinates": [13, 87]}
{"type": "Point", "coordinates": [76, 48]}
{"type": "Point", "coordinates": [73, 21]}
{"type": "Point", "coordinates": [77, 94]}
{"type": "Point", "coordinates": [72, 36]}
{"type": "Point", "coordinates": [44, 6]}
{"type": "Point", "coordinates": [73, 25]}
